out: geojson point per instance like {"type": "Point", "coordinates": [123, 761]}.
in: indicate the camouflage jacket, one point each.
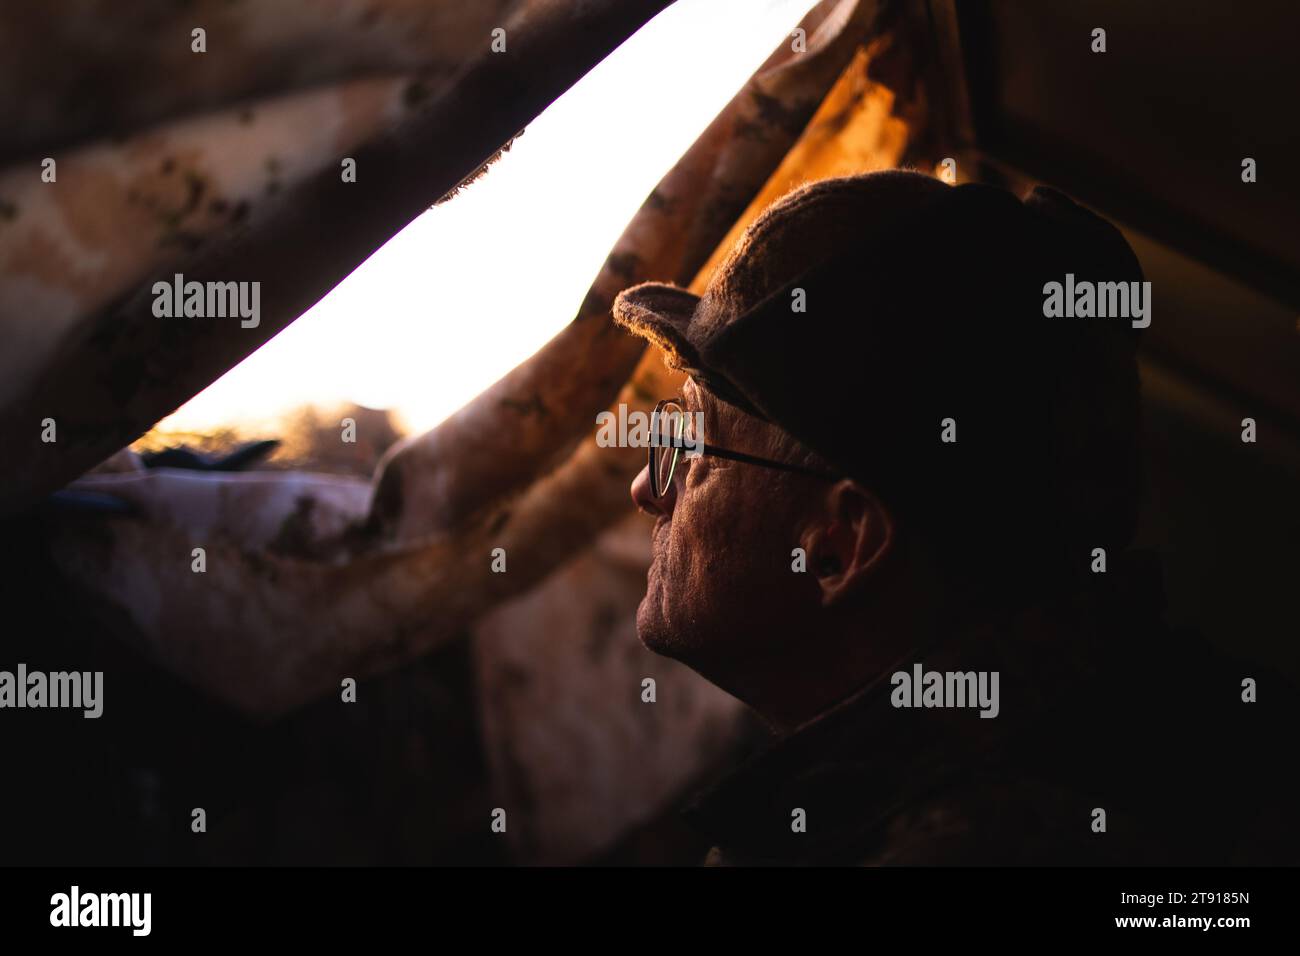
{"type": "Point", "coordinates": [1104, 711]}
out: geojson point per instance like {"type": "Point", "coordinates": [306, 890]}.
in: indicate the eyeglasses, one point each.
{"type": "Point", "coordinates": [668, 439]}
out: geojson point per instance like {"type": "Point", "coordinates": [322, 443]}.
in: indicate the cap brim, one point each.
{"type": "Point", "coordinates": [660, 313]}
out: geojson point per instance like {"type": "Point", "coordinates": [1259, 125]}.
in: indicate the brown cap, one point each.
{"type": "Point", "coordinates": [859, 313]}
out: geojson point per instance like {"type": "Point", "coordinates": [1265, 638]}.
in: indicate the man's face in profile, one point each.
{"type": "Point", "coordinates": [720, 593]}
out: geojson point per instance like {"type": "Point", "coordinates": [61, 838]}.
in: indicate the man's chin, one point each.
{"type": "Point", "coordinates": [651, 624]}
{"type": "Point", "coordinates": [651, 628]}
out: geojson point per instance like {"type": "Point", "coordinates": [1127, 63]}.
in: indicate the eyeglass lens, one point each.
{"type": "Point", "coordinates": [669, 425]}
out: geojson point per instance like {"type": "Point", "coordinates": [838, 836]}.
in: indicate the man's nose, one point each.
{"type": "Point", "coordinates": [645, 499]}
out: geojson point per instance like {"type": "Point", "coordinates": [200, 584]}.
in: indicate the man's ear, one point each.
{"type": "Point", "coordinates": [847, 541]}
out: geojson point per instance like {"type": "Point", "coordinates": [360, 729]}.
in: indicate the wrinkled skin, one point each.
{"type": "Point", "coordinates": [721, 594]}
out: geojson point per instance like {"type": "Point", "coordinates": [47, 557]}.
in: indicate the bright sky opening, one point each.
{"type": "Point", "coordinates": [473, 287]}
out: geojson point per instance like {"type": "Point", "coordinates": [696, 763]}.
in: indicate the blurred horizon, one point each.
{"type": "Point", "coordinates": [472, 287]}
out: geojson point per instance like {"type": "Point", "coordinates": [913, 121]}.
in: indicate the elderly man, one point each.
{"type": "Point", "coordinates": [902, 541]}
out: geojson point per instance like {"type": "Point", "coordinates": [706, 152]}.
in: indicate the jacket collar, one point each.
{"type": "Point", "coordinates": [857, 764]}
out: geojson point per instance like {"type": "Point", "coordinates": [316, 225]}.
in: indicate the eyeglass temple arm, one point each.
{"type": "Point", "coordinates": [715, 451]}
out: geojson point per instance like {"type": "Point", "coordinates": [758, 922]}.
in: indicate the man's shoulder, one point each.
{"type": "Point", "coordinates": [987, 818]}
{"type": "Point", "coordinates": [1005, 819]}
{"type": "Point", "coordinates": [1101, 754]}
